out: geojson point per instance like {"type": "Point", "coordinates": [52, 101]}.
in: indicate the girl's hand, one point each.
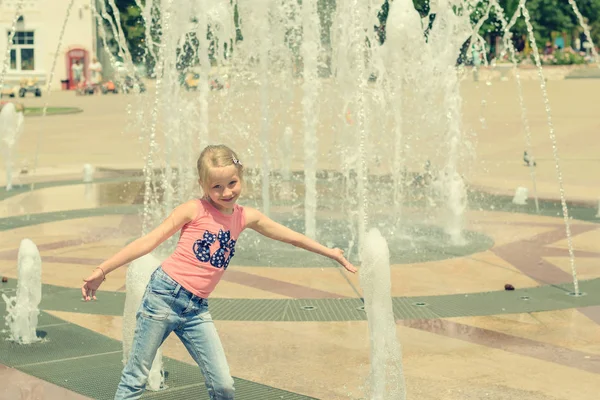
{"type": "Point", "coordinates": [338, 255]}
{"type": "Point", "coordinates": [92, 283]}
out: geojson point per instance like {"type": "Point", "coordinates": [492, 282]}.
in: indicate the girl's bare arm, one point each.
{"type": "Point", "coordinates": [266, 226]}
{"type": "Point", "coordinates": [139, 247]}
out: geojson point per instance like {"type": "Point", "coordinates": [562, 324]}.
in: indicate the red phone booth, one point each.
{"type": "Point", "coordinates": [74, 54]}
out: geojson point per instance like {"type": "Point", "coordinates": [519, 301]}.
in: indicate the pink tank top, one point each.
{"type": "Point", "coordinates": [205, 248]}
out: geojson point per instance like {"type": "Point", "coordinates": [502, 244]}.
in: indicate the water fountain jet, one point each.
{"type": "Point", "coordinates": [387, 378]}
{"type": "Point", "coordinates": [138, 276]}
{"type": "Point", "coordinates": [22, 309]}
{"type": "Point", "coordinates": [11, 127]}
{"type": "Point", "coordinates": [565, 210]}
{"type": "Point", "coordinates": [88, 173]}
{"type": "Point", "coordinates": [520, 197]}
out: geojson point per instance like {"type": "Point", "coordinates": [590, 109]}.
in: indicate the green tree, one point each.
{"type": "Point", "coordinates": [547, 16]}
{"type": "Point", "coordinates": [590, 9]}
{"type": "Point", "coordinates": [131, 22]}
{"type": "Point", "coordinates": [550, 16]}
{"type": "Point", "coordinates": [134, 29]}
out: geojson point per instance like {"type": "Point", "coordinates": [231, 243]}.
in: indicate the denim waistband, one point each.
{"type": "Point", "coordinates": [161, 274]}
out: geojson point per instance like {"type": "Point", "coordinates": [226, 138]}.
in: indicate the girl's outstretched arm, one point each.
{"type": "Point", "coordinates": [271, 229]}
{"type": "Point", "coordinates": [139, 247]}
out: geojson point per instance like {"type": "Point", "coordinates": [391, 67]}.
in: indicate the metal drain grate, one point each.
{"type": "Point", "coordinates": [90, 364]}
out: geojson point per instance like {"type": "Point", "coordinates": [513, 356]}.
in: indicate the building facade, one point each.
{"type": "Point", "coordinates": [35, 46]}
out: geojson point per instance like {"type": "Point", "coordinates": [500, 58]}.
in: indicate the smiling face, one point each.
{"type": "Point", "coordinates": [223, 187]}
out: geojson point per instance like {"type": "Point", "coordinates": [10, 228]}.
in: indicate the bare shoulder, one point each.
{"type": "Point", "coordinates": [187, 211]}
{"type": "Point", "coordinates": [252, 216]}
{"type": "Point", "coordinates": [181, 215]}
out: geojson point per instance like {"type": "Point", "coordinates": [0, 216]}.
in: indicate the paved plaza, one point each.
{"type": "Point", "coordinates": [462, 335]}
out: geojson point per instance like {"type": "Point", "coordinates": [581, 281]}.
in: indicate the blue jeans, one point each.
{"type": "Point", "coordinates": [167, 307]}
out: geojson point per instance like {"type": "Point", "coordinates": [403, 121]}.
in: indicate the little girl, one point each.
{"type": "Point", "coordinates": [176, 296]}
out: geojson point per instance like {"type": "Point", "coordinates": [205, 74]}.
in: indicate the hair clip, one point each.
{"type": "Point", "coordinates": [236, 161]}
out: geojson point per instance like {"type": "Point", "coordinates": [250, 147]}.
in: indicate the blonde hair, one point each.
{"type": "Point", "coordinates": [217, 156]}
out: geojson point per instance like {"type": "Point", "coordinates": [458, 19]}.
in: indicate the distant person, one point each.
{"type": "Point", "coordinates": [77, 73]}
{"type": "Point", "coordinates": [559, 43]}
{"type": "Point", "coordinates": [95, 73]}
{"type": "Point", "coordinates": [476, 54]}
{"type": "Point", "coordinates": [576, 44]}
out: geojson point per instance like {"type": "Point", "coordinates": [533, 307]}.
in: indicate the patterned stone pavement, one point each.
{"type": "Point", "coordinates": [470, 339]}
{"type": "Point", "coordinates": [284, 347]}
